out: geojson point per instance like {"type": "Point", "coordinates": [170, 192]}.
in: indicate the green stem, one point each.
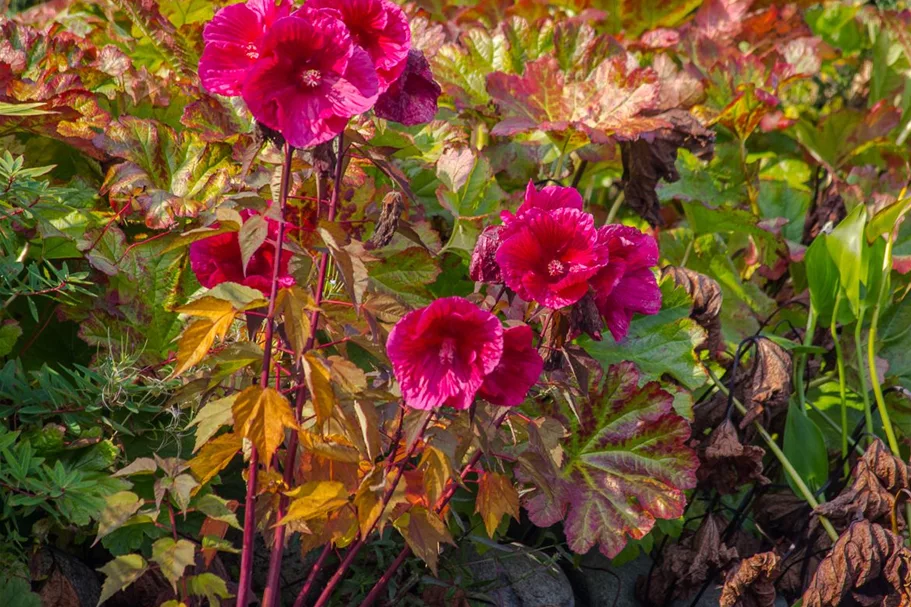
{"type": "Point", "coordinates": [615, 207]}
{"type": "Point", "coordinates": [871, 352]}
{"type": "Point", "coordinates": [782, 458]}
{"type": "Point", "coordinates": [833, 328]}
{"type": "Point", "coordinates": [802, 361]}
{"type": "Point", "coordinates": [864, 388]}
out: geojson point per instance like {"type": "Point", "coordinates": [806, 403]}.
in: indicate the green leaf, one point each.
{"type": "Point", "coordinates": [406, 274]}
{"type": "Point", "coordinates": [216, 508]}
{"type": "Point", "coordinates": [23, 109]}
{"type": "Point", "coordinates": [886, 219]}
{"type": "Point", "coordinates": [173, 557]}
{"type": "Point", "coordinates": [17, 592]}
{"type": "Point", "coordinates": [120, 573]}
{"type": "Point", "coordinates": [659, 344]}
{"type": "Point", "coordinates": [184, 12]}
{"type": "Point", "coordinates": [9, 333]}
{"type": "Point", "coordinates": [119, 508]}
{"type": "Point", "coordinates": [822, 278]}
{"type": "Point", "coordinates": [210, 586]}
{"type": "Point", "coordinates": [805, 447]}
{"type": "Point", "coordinates": [846, 245]}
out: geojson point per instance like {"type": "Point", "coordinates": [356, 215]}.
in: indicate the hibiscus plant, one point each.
{"type": "Point", "coordinates": [283, 281]}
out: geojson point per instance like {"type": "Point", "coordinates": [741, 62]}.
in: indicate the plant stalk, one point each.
{"type": "Point", "coordinates": [782, 458]}
{"type": "Point", "coordinates": [833, 328]}
{"type": "Point", "coordinates": [802, 361]}
{"type": "Point", "coordinates": [864, 388]}
{"type": "Point", "coordinates": [871, 353]}
{"type": "Point", "coordinates": [362, 539]}
{"type": "Point", "coordinates": [273, 590]}
{"type": "Point", "coordinates": [246, 555]}
{"type": "Point", "coordinates": [451, 488]}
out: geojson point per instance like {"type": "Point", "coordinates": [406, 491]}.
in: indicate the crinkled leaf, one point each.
{"type": "Point", "coordinates": [626, 465]}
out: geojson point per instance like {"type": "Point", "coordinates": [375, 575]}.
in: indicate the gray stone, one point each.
{"type": "Point", "coordinates": [515, 576]}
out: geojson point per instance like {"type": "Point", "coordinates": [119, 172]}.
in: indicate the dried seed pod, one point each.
{"type": "Point", "coordinates": [393, 206]}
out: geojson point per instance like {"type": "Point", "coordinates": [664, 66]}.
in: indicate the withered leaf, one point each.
{"type": "Point", "coordinates": [826, 212]}
{"type": "Point", "coordinates": [652, 157]}
{"type": "Point", "coordinates": [688, 564]}
{"type": "Point", "coordinates": [393, 206]}
{"type": "Point", "coordinates": [484, 266]}
{"type": "Point", "coordinates": [584, 317]}
{"type": "Point", "coordinates": [768, 383]}
{"type": "Point", "coordinates": [878, 477]}
{"type": "Point", "coordinates": [707, 299]}
{"type": "Point", "coordinates": [752, 582]}
{"type": "Point", "coordinates": [868, 565]}
{"type": "Point", "coordinates": [726, 464]}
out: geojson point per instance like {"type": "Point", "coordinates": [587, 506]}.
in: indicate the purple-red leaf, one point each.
{"type": "Point", "coordinates": [626, 465]}
{"type": "Point", "coordinates": [412, 99]}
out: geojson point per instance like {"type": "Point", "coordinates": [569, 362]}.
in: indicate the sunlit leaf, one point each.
{"type": "Point", "coordinates": [496, 496]}
{"type": "Point", "coordinates": [315, 499]}
{"type": "Point", "coordinates": [424, 532]}
{"type": "Point", "coordinates": [262, 415]}
{"type": "Point", "coordinates": [173, 557]}
{"type": "Point", "coordinates": [120, 573]}
{"type": "Point", "coordinates": [214, 456]}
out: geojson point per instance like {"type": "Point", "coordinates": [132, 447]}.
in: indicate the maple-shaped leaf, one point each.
{"type": "Point", "coordinates": [496, 496]}
{"type": "Point", "coordinates": [118, 509]}
{"type": "Point", "coordinates": [626, 464]}
{"type": "Point", "coordinates": [214, 456]}
{"type": "Point", "coordinates": [609, 102]}
{"type": "Point", "coordinates": [120, 573]}
{"type": "Point", "coordinates": [315, 499]}
{"type": "Point", "coordinates": [424, 531]}
{"type": "Point", "coordinates": [261, 415]}
{"type": "Point", "coordinates": [173, 557]}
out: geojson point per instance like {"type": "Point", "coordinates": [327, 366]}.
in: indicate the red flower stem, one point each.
{"type": "Point", "coordinates": [311, 577]}
{"type": "Point", "coordinates": [441, 504]}
{"type": "Point", "coordinates": [246, 555]}
{"type": "Point", "coordinates": [271, 594]}
{"type": "Point", "coordinates": [362, 539]}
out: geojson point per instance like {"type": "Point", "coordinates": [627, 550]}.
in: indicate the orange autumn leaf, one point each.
{"type": "Point", "coordinates": [261, 415]}
{"type": "Point", "coordinates": [496, 496]}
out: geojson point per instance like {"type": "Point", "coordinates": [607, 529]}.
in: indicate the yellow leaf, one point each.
{"type": "Point", "coordinates": [295, 305]}
{"type": "Point", "coordinates": [120, 573]}
{"type": "Point", "coordinates": [496, 496]}
{"type": "Point", "coordinates": [207, 307]}
{"type": "Point", "coordinates": [214, 456]}
{"type": "Point", "coordinates": [262, 415]}
{"type": "Point", "coordinates": [321, 393]}
{"type": "Point", "coordinates": [437, 472]}
{"type": "Point", "coordinates": [173, 557]}
{"type": "Point", "coordinates": [333, 447]}
{"type": "Point", "coordinates": [424, 532]}
{"type": "Point", "coordinates": [315, 499]}
{"type": "Point", "coordinates": [198, 338]}
{"type": "Point", "coordinates": [210, 418]}
{"type": "Point", "coordinates": [348, 376]}
{"type": "Point", "coordinates": [118, 509]}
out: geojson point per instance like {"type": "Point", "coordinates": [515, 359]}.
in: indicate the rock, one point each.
{"type": "Point", "coordinates": [66, 581]}
{"type": "Point", "coordinates": [514, 576]}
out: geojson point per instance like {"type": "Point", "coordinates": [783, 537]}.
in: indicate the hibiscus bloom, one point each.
{"type": "Point", "coordinates": [550, 256]}
{"type": "Point", "coordinates": [217, 259]}
{"type": "Point", "coordinates": [519, 369]}
{"type": "Point", "coordinates": [549, 198]}
{"type": "Point", "coordinates": [441, 353]}
{"type": "Point", "coordinates": [379, 27]}
{"type": "Point", "coordinates": [233, 42]}
{"type": "Point", "coordinates": [627, 284]}
{"type": "Point", "coordinates": [310, 78]}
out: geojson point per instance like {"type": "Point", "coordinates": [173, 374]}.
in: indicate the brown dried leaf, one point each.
{"type": "Point", "coordinates": [768, 384]}
{"type": "Point", "coordinates": [867, 566]}
{"type": "Point", "coordinates": [827, 212]}
{"type": "Point", "coordinates": [653, 155]}
{"type": "Point", "coordinates": [752, 582]}
{"type": "Point", "coordinates": [726, 464]}
{"type": "Point", "coordinates": [707, 299]}
{"type": "Point", "coordinates": [688, 564]}
{"type": "Point", "coordinates": [878, 477]}
{"type": "Point", "coordinates": [393, 206]}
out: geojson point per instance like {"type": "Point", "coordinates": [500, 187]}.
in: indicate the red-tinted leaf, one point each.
{"type": "Point", "coordinates": [626, 464]}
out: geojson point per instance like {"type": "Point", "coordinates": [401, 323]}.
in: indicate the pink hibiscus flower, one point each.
{"type": "Point", "coordinates": [549, 198]}
{"type": "Point", "coordinates": [379, 27]}
{"type": "Point", "coordinates": [233, 43]}
{"type": "Point", "coordinates": [549, 256]}
{"type": "Point", "coordinates": [441, 353]}
{"type": "Point", "coordinates": [217, 259]}
{"type": "Point", "coordinates": [627, 284]}
{"type": "Point", "coordinates": [310, 78]}
{"type": "Point", "coordinates": [519, 369]}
